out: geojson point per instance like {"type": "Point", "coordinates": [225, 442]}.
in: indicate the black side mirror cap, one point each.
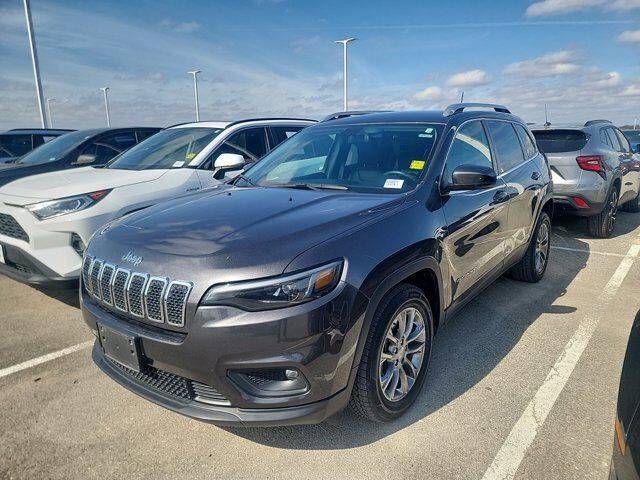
{"type": "Point", "coordinates": [472, 177]}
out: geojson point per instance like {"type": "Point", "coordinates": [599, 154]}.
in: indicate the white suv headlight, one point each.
{"type": "Point", "coordinates": [62, 206]}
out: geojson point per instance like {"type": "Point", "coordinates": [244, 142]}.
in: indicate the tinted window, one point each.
{"type": "Point", "coordinates": [632, 135]}
{"type": "Point", "coordinates": [170, 148]}
{"type": "Point", "coordinates": [104, 153]}
{"type": "Point", "coordinates": [250, 143]}
{"type": "Point", "coordinates": [613, 139]}
{"type": "Point", "coordinates": [369, 158]}
{"type": "Point", "coordinates": [119, 141]}
{"type": "Point", "coordinates": [507, 145]}
{"type": "Point", "coordinates": [623, 140]}
{"type": "Point", "coordinates": [142, 134]}
{"type": "Point", "coordinates": [604, 138]}
{"type": "Point", "coordinates": [470, 147]}
{"type": "Point", "coordinates": [56, 148]}
{"type": "Point", "coordinates": [17, 145]}
{"type": "Point", "coordinates": [282, 133]}
{"type": "Point", "coordinates": [525, 139]}
{"type": "Point", "coordinates": [557, 141]}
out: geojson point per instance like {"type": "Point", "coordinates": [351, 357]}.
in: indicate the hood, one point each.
{"type": "Point", "coordinates": [239, 233]}
{"type": "Point", "coordinates": [65, 183]}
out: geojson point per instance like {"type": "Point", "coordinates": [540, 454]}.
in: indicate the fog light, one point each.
{"type": "Point", "coordinates": [77, 244]}
{"type": "Point", "coordinates": [270, 382]}
{"type": "Point", "coordinates": [291, 374]}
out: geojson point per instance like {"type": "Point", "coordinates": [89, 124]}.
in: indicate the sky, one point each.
{"type": "Point", "coordinates": [278, 57]}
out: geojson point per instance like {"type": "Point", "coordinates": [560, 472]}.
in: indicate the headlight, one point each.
{"type": "Point", "coordinates": [55, 208]}
{"type": "Point", "coordinates": [278, 292]}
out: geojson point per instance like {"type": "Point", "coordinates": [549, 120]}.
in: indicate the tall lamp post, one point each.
{"type": "Point", "coordinates": [49, 100]}
{"type": "Point", "coordinates": [34, 61]}
{"type": "Point", "coordinates": [104, 91]}
{"type": "Point", "coordinates": [195, 91]}
{"type": "Point", "coordinates": [344, 43]}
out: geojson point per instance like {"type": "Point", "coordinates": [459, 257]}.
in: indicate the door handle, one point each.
{"type": "Point", "coordinates": [535, 176]}
{"type": "Point", "coordinates": [501, 196]}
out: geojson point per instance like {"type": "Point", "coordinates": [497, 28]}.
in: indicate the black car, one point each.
{"type": "Point", "coordinates": [625, 464]}
{"type": "Point", "coordinates": [76, 149]}
{"type": "Point", "coordinates": [320, 276]}
{"type": "Point", "coordinates": [20, 141]}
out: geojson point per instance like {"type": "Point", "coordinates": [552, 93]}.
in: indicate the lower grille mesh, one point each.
{"type": "Point", "coordinates": [171, 384]}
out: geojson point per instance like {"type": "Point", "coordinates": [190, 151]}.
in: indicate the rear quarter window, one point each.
{"type": "Point", "coordinates": [557, 141]}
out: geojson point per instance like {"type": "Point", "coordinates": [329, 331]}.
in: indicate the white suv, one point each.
{"type": "Point", "coordinates": [46, 220]}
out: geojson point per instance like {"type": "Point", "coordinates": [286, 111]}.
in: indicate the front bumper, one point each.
{"type": "Point", "coordinates": [318, 339]}
{"type": "Point", "coordinates": [24, 268]}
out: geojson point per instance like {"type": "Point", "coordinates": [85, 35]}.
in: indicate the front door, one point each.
{"type": "Point", "coordinates": [476, 219]}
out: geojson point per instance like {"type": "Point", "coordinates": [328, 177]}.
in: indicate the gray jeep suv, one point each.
{"type": "Point", "coordinates": [594, 171]}
{"type": "Point", "coordinates": [319, 277]}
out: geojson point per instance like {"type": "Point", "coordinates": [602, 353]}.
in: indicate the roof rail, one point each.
{"type": "Point", "coordinates": [459, 108]}
{"type": "Point", "coordinates": [350, 113]}
{"type": "Point", "coordinates": [42, 129]}
{"type": "Point", "coordinates": [264, 119]}
{"type": "Point", "coordinates": [595, 122]}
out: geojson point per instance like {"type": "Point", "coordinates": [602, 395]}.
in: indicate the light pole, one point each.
{"type": "Point", "coordinates": [106, 104]}
{"type": "Point", "coordinates": [49, 100]}
{"type": "Point", "coordinates": [34, 60]}
{"type": "Point", "coordinates": [344, 43]}
{"type": "Point", "coordinates": [195, 91]}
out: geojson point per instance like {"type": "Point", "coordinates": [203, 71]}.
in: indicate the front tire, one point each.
{"type": "Point", "coordinates": [396, 356]}
{"type": "Point", "coordinates": [534, 263]}
{"type": "Point", "coordinates": [603, 224]}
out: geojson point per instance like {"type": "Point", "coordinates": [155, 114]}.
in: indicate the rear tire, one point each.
{"type": "Point", "coordinates": [370, 398]}
{"type": "Point", "coordinates": [632, 206]}
{"type": "Point", "coordinates": [534, 263]}
{"type": "Point", "coordinates": [603, 224]}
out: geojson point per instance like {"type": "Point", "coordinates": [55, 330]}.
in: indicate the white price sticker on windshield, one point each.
{"type": "Point", "coordinates": [393, 183]}
{"type": "Point", "coordinates": [177, 164]}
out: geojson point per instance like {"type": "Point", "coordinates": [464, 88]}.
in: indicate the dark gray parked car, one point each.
{"type": "Point", "coordinates": [320, 277]}
{"type": "Point", "coordinates": [20, 141]}
{"type": "Point", "coordinates": [594, 171]}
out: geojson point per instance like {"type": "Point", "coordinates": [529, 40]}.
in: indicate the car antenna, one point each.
{"type": "Point", "coordinates": [546, 119]}
{"type": "Point", "coordinates": [462, 97]}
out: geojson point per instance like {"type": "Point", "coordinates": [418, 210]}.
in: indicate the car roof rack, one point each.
{"type": "Point", "coordinates": [41, 130]}
{"type": "Point", "coordinates": [460, 107]}
{"type": "Point", "coordinates": [595, 122]}
{"type": "Point", "coordinates": [351, 113]}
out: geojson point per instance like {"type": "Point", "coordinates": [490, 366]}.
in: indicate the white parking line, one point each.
{"type": "Point", "coordinates": [507, 461]}
{"type": "Point", "coordinates": [43, 359]}
{"type": "Point", "coordinates": [586, 250]}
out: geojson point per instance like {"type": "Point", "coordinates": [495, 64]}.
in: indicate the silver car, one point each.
{"type": "Point", "coordinates": [594, 171]}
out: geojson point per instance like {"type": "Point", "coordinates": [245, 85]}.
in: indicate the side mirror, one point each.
{"type": "Point", "coordinates": [227, 162]}
{"type": "Point", "coordinates": [85, 159]}
{"type": "Point", "coordinates": [471, 177]}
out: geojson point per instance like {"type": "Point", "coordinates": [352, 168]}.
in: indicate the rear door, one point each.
{"type": "Point", "coordinates": [522, 178]}
{"type": "Point", "coordinates": [629, 168]}
{"type": "Point", "coordinates": [476, 219]}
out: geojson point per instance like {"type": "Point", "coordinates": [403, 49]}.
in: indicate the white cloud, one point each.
{"type": "Point", "coordinates": [301, 44]}
{"type": "Point", "coordinates": [552, 64]}
{"type": "Point", "coordinates": [611, 79]}
{"type": "Point", "coordinates": [471, 78]}
{"type": "Point", "coordinates": [629, 36]}
{"type": "Point", "coordinates": [429, 94]}
{"type": "Point", "coordinates": [181, 27]}
{"type": "Point", "coordinates": [631, 91]}
{"type": "Point", "coordinates": [559, 7]}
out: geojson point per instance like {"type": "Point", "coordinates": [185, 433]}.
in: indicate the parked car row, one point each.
{"type": "Point", "coordinates": [20, 141]}
{"type": "Point", "coordinates": [274, 271]}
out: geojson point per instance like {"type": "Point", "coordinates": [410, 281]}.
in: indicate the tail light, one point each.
{"type": "Point", "coordinates": [593, 163]}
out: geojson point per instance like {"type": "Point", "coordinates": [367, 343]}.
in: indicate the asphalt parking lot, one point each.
{"type": "Point", "coordinates": [523, 381]}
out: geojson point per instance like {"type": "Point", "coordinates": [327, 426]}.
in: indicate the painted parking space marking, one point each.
{"type": "Point", "coordinates": [586, 250]}
{"type": "Point", "coordinates": [44, 358]}
{"type": "Point", "coordinates": [512, 452]}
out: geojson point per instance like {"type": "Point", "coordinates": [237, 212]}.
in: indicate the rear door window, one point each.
{"type": "Point", "coordinates": [560, 140]}
{"type": "Point", "coordinates": [626, 146]}
{"type": "Point", "coordinates": [613, 138]}
{"type": "Point", "coordinates": [469, 147]}
{"type": "Point", "coordinates": [251, 143]}
{"type": "Point", "coordinates": [506, 144]}
{"type": "Point", "coordinates": [280, 134]}
{"type": "Point", "coordinates": [527, 144]}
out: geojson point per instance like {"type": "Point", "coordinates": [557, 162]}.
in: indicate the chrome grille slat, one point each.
{"type": "Point", "coordinates": [157, 299]}
{"type": "Point", "coordinates": [175, 302]}
{"type": "Point", "coordinates": [119, 289]}
{"type": "Point", "coordinates": [135, 291]}
{"type": "Point", "coordinates": [153, 299]}
{"type": "Point", "coordinates": [105, 283]}
{"type": "Point", "coordinates": [96, 270]}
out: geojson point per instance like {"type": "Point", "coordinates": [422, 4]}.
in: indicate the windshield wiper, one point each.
{"type": "Point", "coordinates": [311, 186]}
{"type": "Point", "coordinates": [240, 176]}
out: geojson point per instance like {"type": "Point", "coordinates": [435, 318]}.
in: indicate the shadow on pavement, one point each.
{"type": "Point", "coordinates": [67, 296]}
{"type": "Point", "coordinates": [466, 350]}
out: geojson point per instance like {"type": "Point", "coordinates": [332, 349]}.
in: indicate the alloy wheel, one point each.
{"type": "Point", "coordinates": [402, 354]}
{"type": "Point", "coordinates": [613, 210]}
{"type": "Point", "coordinates": [542, 247]}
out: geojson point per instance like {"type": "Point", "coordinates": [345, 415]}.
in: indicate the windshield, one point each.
{"type": "Point", "coordinates": [632, 135]}
{"type": "Point", "coordinates": [55, 149]}
{"type": "Point", "coordinates": [171, 148]}
{"type": "Point", "coordinates": [369, 158]}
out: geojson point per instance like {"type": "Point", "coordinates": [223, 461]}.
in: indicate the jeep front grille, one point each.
{"type": "Point", "coordinates": [157, 299]}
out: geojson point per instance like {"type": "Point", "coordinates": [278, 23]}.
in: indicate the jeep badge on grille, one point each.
{"type": "Point", "coordinates": [131, 258]}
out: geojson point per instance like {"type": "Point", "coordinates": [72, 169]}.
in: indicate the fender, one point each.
{"type": "Point", "coordinates": [397, 276]}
